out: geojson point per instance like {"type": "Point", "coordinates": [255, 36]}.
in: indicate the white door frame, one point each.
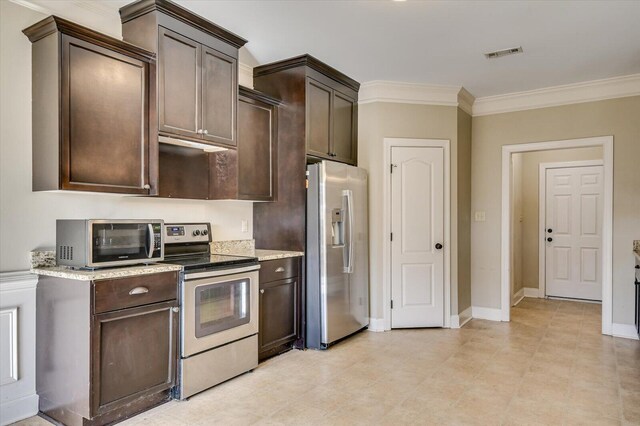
{"type": "Point", "coordinates": [542, 212]}
{"type": "Point", "coordinates": [386, 222]}
{"type": "Point", "coordinates": [606, 142]}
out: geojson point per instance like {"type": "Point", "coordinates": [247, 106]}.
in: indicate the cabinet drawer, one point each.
{"type": "Point", "coordinates": [271, 270]}
{"type": "Point", "coordinates": [111, 295]}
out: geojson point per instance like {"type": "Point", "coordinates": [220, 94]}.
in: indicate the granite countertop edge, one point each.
{"type": "Point", "coordinates": [262, 254]}
{"type": "Point", "coordinates": [80, 275]}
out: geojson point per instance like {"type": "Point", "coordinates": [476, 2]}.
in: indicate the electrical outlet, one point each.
{"type": "Point", "coordinates": [244, 225]}
{"type": "Point", "coordinates": [479, 216]}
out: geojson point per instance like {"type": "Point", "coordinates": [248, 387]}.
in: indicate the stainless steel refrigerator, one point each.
{"type": "Point", "coordinates": [337, 253]}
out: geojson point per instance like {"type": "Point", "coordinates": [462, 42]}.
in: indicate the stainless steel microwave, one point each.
{"type": "Point", "coordinates": [94, 243]}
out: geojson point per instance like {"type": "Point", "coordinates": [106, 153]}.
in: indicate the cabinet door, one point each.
{"type": "Point", "coordinates": [319, 100]}
{"type": "Point", "coordinates": [344, 142]}
{"type": "Point", "coordinates": [133, 354]}
{"type": "Point", "coordinates": [179, 84]}
{"type": "Point", "coordinates": [257, 150]}
{"type": "Point", "coordinates": [278, 313]}
{"type": "Point", "coordinates": [219, 97]}
{"type": "Point", "coordinates": [105, 133]}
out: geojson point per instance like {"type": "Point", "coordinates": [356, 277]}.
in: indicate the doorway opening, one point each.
{"type": "Point", "coordinates": [557, 214]}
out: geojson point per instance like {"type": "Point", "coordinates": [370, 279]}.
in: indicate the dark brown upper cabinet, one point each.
{"type": "Point", "coordinates": [197, 71]}
{"type": "Point", "coordinates": [246, 173]}
{"type": "Point", "coordinates": [92, 99]}
{"type": "Point", "coordinates": [330, 104]}
{"type": "Point", "coordinates": [331, 123]}
{"type": "Point", "coordinates": [257, 146]}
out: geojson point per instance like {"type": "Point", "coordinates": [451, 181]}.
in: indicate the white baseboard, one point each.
{"type": "Point", "coordinates": [627, 331]}
{"type": "Point", "coordinates": [531, 292]}
{"type": "Point", "coordinates": [18, 409]}
{"type": "Point", "coordinates": [458, 321]}
{"type": "Point", "coordinates": [491, 314]}
{"type": "Point", "coordinates": [376, 324]}
{"type": "Point", "coordinates": [517, 298]}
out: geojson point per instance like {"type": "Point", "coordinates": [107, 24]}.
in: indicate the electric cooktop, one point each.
{"type": "Point", "coordinates": [214, 261]}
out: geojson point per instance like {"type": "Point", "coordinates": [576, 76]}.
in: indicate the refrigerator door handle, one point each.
{"type": "Point", "coordinates": [348, 245]}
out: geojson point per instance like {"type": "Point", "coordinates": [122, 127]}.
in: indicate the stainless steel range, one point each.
{"type": "Point", "coordinates": [219, 300]}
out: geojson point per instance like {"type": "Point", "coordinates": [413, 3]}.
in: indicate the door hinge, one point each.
{"type": "Point", "coordinates": [392, 304]}
{"type": "Point", "coordinates": [391, 167]}
{"type": "Point", "coordinates": [391, 236]}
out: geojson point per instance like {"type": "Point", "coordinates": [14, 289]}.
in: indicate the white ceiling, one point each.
{"type": "Point", "coordinates": [433, 42]}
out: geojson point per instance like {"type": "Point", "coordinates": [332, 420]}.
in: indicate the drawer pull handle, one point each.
{"type": "Point", "coordinates": [139, 290]}
{"type": "Point", "coordinates": [262, 291]}
{"type": "Point", "coordinates": [280, 269]}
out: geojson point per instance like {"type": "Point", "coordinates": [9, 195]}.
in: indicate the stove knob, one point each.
{"type": "Point", "coordinates": [205, 232]}
{"type": "Point", "coordinates": [196, 233]}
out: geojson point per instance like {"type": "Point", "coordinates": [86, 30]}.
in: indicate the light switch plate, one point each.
{"type": "Point", "coordinates": [479, 216]}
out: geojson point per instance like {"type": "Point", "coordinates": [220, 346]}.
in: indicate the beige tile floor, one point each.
{"type": "Point", "coordinates": [549, 365]}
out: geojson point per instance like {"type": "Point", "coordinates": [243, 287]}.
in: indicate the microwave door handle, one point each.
{"type": "Point", "coordinates": [150, 240]}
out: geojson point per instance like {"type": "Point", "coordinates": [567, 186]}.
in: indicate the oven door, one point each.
{"type": "Point", "coordinates": [218, 308]}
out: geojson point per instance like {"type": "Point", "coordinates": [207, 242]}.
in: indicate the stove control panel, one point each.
{"type": "Point", "coordinates": [187, 233]}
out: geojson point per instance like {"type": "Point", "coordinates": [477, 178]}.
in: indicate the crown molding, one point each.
{"type": "Point", "coordinates": [415, 93]}
{"type": "Point", "coordinates": [466, 101]}
{"type": "Point", "coordinates": [588, 91]}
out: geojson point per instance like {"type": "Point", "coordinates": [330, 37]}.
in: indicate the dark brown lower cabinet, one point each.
{"type": "Point", "coordinates": [280, 306]}
{"type": "Point", "coordinates": [134, 351]}
{"type": "Point", "coordinates": [106, 349]}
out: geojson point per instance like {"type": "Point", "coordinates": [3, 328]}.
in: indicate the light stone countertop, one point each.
{"type": "Point", "coordinates": [247, 248]}
{"type": "Point", "coordinates": [263, 255]}
{"type": "Point", "coordinates": [102, 274]}
{"type": "Point", "coordinates": [276, 254]}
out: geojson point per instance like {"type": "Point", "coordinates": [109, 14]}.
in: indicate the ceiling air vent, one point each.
{"type": "Point", "coordinates": [503, 52]}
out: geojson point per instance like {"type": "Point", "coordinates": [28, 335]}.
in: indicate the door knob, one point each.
{"type": "Point", "coordinates": [262, 291]}
{"type": "Point", "coordinates": [438, 246]}
{"type": "Point", "coordinates": [549, 239]}
{"type": "Point", "coordinates": [549, 230]}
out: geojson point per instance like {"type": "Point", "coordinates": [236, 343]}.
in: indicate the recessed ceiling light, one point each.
{"type": "Point", "coordinates": [503, 52]}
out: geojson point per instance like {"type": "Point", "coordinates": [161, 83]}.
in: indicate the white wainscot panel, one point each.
{"type": "Point", "coordinates": [18, 398]}
{"type": "Point", "coordinates": [8, 345]}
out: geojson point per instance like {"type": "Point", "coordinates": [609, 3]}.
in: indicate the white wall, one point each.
{"type": "Point", "coordinates": [28, 218]}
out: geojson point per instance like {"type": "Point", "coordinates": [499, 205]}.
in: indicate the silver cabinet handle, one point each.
{"type": "Point", "coordinates": [175, 309]}
{"type": "Point", "coordinates": [206, 132]}
{"type": "Point", "coordinates": [146, 186]}
{"type": "Point", "coordinates": [199, 131]}
{"type": "Point", "coordinates": [139, 290]}
{"type": "Point", "coordinates": [280, 269]}
{"type": "Point", "coordinates": [262, 291]}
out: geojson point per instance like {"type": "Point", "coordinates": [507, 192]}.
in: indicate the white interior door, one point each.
{"type": "Point", "coordinates": [573, 225]}
{"type": "Point", "coordinates": [417, 226]}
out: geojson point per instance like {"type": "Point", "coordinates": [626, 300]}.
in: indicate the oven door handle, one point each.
{"type": "Point", "coordinates": [219, 273]}
{"type": "Point", "coordinates": [150, 240]}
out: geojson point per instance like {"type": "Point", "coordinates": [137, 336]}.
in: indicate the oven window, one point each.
{"type": "Point", "coordinates": [222, 306]}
